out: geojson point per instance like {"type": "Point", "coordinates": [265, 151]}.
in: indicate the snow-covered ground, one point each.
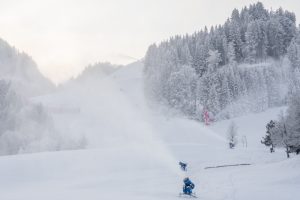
{"type": "Point", "coordinates": [133, 153]}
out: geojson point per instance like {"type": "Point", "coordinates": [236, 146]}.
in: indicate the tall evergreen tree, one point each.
{"type": "Point", "coordinates": [275, 34]}
{"type": "Point", "coordinates": [231, 54]}
{"type": "Point", "coordinates": [267, 140]}
{"type": "Point", "coordinates": [213, 60]}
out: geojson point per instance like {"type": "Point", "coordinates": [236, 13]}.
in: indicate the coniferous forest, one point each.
{"type": "Point", "coordinates": [248, 64]}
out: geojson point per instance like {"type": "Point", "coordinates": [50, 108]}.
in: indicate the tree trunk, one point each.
{"type": "Point", "coordinates": [287, 151]}
{"type": "Point", "coordinates": [272, 148]}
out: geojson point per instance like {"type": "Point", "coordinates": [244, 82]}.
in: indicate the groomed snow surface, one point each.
{"type": "Point", "coordinates": [133, 153]}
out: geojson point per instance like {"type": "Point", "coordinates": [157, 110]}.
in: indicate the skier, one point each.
{"type": "Point", "coordinates": [183, 166]}
{"type": "Point", "coordinates": [188, 186]}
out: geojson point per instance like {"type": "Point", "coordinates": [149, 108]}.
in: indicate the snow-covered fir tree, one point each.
{"type": "Point", "coordinates": [267, 140]}
{"type": "Point", "coordinates": [285, 132]}
{"type": "Point", "coordinates": [280, 134]}
{"type": "Point", "coordinates": [293, 123]}
{"type": "Point", "coordinates": [232, 135]}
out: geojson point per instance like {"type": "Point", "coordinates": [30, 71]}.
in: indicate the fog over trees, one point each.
{"type": "Point", "coordinates": [25, 125]}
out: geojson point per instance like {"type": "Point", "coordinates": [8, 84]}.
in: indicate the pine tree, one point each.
{"type": "Point", "coordinates": [231, 54]}
{"type": "Point", "coordinates": [181, 86]}
{"type": "Point", "coordinates": [293, 121]}
{"type": "Point", "coordinates": [225, 93]}
{"type": "Point", "coordinates": [200, 58]}
{"type": "Point", "coordinates": [235, 37]}
{"type": "Point", "coordinates": [293, 53]}
{"type": "Point", "coordinates": [267, 140]}
{"type": "Point", "coordinates": [252, 42]}
{"type": "Point", "coordinates": [232, 135]}
{"type": "Point", "coordinates": [294, 82]}
{"type": "Point", "coordinates": [280, 135]}
{"type": "Point", "coordinates": [275, 34]}
{"type": "Point", "coordinates": [256, 41]}
{"type": "Point", "coordinates": [185, 57]}
{"type": "Point", "coordinates": [288, 24]}
{"type": "Point", "coordinates": [213, 60]}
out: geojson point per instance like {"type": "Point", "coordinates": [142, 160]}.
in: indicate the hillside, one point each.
{"type": "Point", "coordinates": [95, 71]}
{"type": "Point", "coordinates": [26, 125]}
{"type": "Point", "coordinates": [248, 64]}
{"type": "Point", "coordinates": [225, 101]}
{"type": "Point", "coordinates": [22, 72]}
{"type": "Point", "coordinates": [134, 153]}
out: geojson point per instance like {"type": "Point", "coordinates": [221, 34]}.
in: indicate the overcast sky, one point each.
{"type": "Point", "coordinates": [63, 36]}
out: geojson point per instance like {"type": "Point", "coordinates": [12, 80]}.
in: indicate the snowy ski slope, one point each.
{"type": "Point", "coordinates": [133, 152]}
